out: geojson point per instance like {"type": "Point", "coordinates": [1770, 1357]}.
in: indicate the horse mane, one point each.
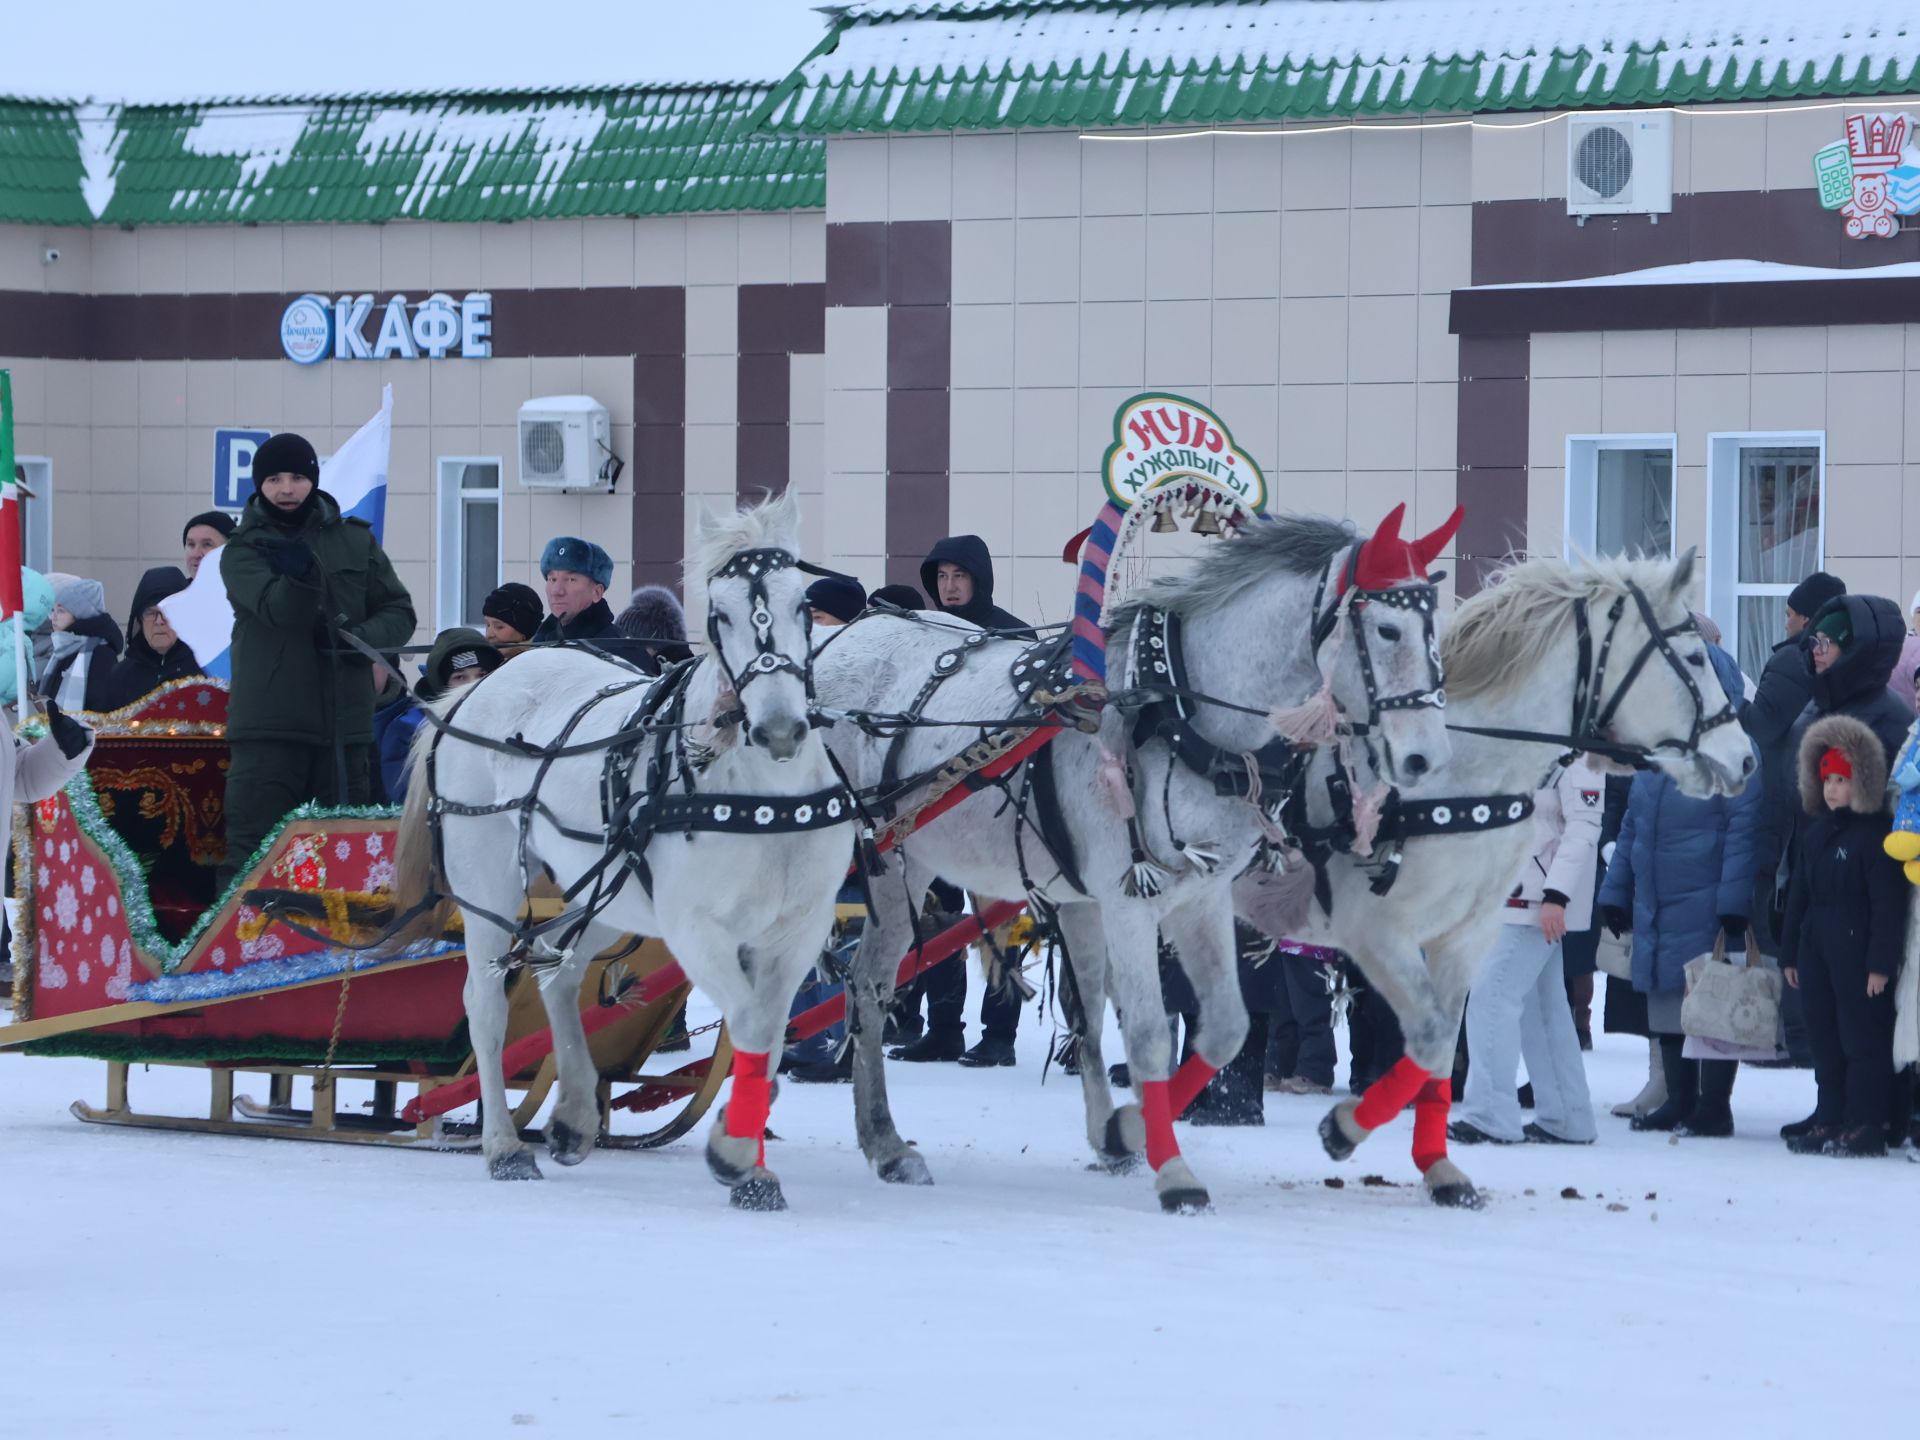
{"type": "Point", "coordinates": [1296, 544]}
{"type": "Point", "coordinates": [1498, 638]}
{"type": "Point", "coordinates": [773, 524]}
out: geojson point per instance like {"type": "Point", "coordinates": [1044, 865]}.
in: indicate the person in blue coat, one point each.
{"type": "Point", "coordinates": [1682, 873]}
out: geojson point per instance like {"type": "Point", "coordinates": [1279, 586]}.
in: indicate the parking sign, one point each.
{"type": "Point", "coordinates": [233, 466]}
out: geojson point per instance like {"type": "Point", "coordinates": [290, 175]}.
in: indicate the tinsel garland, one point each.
{"type": "Point", "coordinates": [116, 724]}
{"type": "Point", "coordinates": [275, 974]}
{"type": "Point", "coordinates": [25, 926]}
{"type": "Point", "coordinates": [135, 902]}
{"type": "Point", "coordinates": [142, 1049]}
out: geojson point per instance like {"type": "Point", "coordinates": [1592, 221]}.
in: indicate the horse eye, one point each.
{"type": "Point", "coordinates": [1699, 662]}
{"type": "Point", "coordinates": [1390, 633]}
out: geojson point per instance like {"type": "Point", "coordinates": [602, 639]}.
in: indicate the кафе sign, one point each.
{"type": "Point", "coordinates": [314, 328]}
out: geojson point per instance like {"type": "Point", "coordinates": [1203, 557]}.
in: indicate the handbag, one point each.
{"type": "Point", "coordinates": [1614, 955]}
{"type": "Point", "coordinates": [1733, 1004]}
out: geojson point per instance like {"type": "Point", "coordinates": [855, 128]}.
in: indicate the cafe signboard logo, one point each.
{"type": "Point", "coordinates": [1161, 440]}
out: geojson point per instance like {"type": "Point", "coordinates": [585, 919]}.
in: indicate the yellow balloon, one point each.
{"type": "Point", "coordinates": [1903, 845]}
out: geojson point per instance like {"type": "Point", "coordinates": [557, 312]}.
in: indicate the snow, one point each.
{"type": "Point", "coordinates": [126, 51]}
{"type": "Point", "coordinates": [261, 137]}
{"type": "Point", "coordinates": [100, 140]}
{"type": "Point", "coordinates": [1722, 272]}
{"type": "Point", "coordinates": [447, 130]}
{"type": "Point", "coordinates": [1729, 38]}
{"type": "Point", "coordinates": [173, 1285]}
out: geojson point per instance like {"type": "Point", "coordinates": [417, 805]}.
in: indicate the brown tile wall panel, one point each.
{"type": "Point", "coordinates": [1493, 422]}
{"type": "Point", "coordinates": [857, 264]}
{"type": "Point", "coordinates": [917, 510]}
{"type": "Point", "coordinates": [656, 317]}
{"type": "Point", "coordinates": [1497, 316]}
{"type": "Point", "coordinates": [918, 423]}
{"type": "Point", "coordinates": [919, 262]}
{"type": "Point", "coordinates": [659, 389]}
{"type": "Point", "coordinates": [764, 322]}
{"type": "Point", "coordinates": [1492, 453]}
{"type": "Point", "coordinates": [919, 347]}
{"type": "Point", "coordinates": [54, 327]}
{"type": "Point", "coordinates": [764, 390]}
{"type": "Point", "coordinates": [658, 539]}
{"type": "Point", "coordinates": [807, 319]}
{"type": "Point", "coordinates": [1499, 357]}
{"type": "Point", "coordinates": [211, 327]}
{"type": "Point", "coordinates": [659, 463]}
{"type": "Point", "coordinates": [256, 327]}
{"type": "Point", "coordinates": [761, 460]}
{"type": "Point", "coordinates": [1495, 523]}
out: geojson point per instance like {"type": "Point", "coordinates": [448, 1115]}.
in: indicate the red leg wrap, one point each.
{"type": "Point", "coordinates": [1157, 1114]}
{"type": "Point", "coordinates": [751, 1100]}
{"type": "Point", "coordinates": [1188, 1081]}
{"type": "Point", "coordinates": [1390, 1094]}
{"type": "Point", "coordinates": [1430, 1123]}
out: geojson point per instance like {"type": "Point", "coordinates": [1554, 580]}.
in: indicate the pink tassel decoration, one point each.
{"type": "Point", "coordinates": [1313, 722]}
{"type": "Point", "coordinates": [1110, 779]}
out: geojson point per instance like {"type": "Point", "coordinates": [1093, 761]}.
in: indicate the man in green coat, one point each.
{"type": "Point", "coordinates": [299, 575]}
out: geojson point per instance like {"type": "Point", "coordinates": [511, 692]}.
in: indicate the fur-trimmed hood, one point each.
{"type": "Point", "coordinates": [1864, 753]}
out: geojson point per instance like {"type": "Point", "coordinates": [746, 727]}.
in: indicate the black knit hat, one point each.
{"type": "Point", "coordinates": [1811, 594]}
{"type": "Point", "coordinates": [516, 606]}
{"type": "Point", "coordinates": [287, 454]}
{"type": "Point", "coordinates": [841, 596]}
{"type": "Point", "coordinates": [213, 520]}
{"type": "Point", "coordinates": [901, 597]}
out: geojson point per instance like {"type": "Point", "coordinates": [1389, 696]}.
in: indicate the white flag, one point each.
{"type": "Point", "coordinates": [356, 474]}
{"type": "Point", "coordinates": [202, 616]}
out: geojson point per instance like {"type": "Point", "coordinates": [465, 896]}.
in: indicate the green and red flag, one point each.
{"type": "Point", "coordinates": [12, 596]}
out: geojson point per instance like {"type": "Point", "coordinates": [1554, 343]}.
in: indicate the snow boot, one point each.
{"type": "Point", "coordinates": [1653, 1094]}
{"type": "Point", "coordinates": [1795, 1129]}
{"type": "Point", "coordinates": [1683, 1087]}
{"type": "Point", "coordinates": [1813, 1140]}
{"type": "Point", "coordinates": [1862, 1142]}
{"type": "Point", "coordinates": [987, 1053]}
{"type": "Point", "coordinates": [940, 1044]}
{"type": "Point", "coordinates": [1236, 1095]}
{"type": "Point", "coordinates": [1712, 1117]}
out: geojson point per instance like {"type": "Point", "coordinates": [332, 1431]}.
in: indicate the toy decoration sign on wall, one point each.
{"type": "Point", "coordinates": [1872, 176]}
{"type": "Point", "coordinates": [1160, 439]}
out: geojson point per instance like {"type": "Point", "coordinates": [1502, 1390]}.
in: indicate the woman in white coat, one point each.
{"type": "Point", "coordinates": [1518, 1006]}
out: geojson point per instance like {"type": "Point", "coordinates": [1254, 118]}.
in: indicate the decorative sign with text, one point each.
{"type": "Point", "coordinates": [1160, 440]}
{"type": "Point", "coordinates": [1873, 176]}
{"type": "Point", "coordinates": [314, 328]}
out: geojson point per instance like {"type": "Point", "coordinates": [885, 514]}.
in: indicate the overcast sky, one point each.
{"type": "Point", "coordinates": [140, 50]}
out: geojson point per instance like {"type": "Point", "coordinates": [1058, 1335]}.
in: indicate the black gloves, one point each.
{"type": "Point", "coordinates": [287, 554]}
{"type": "Point", "coordinates": [1617, 921]}
{"type": "Point", "coordinates": [69, 734]}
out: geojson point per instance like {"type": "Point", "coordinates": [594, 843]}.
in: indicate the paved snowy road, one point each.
{"type": "Point", "coordinates": [161, 1285]}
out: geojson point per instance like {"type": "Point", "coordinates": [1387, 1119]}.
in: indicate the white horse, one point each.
{"type": "Point", "coordinates": [1151, 827]}
{"type": "Point", "coordinates": [735, 855]}
{"type": "Point", "coordinates": [1601, 657]}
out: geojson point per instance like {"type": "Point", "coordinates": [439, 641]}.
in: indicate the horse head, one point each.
{"type": "Point", "coordinates": [758, 621]}
{"type": "Point", "coordinates": [1386, 666]}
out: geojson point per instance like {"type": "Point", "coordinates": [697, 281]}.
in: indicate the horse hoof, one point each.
{"type": "Point", "coordinates": [906, 1168]}
{"type": "Point", "coordinates": [1186, 1200]}
{"type": "Point", "coordinates": [731, 1159]}
{"type": "Point", "coordinates": [1459, 1196]}
{"type": "Point", "coordinates": [758, 1192]}
{"type": "Point", "coordinates": [1124, 1137]}
{"type": "Point", "coordinates": [1333, 1135]}
{"type": "Point", "coordinates": [566, 1144]}
{"type": "Point", "coordinates": [515, 1165]}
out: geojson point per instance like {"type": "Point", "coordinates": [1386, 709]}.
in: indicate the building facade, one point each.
{"type": "Point", "coordinates": [917, 278]}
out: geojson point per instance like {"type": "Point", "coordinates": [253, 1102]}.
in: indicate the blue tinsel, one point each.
{"type": "Point", "coordinates": [265, 975]}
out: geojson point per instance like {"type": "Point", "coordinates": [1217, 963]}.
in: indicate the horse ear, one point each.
{"type": "Point", "coordinates": [783, 520]}
{"type": "Point", "coordinates": [1682, 574]}
{"type": "Point", "coordinates": [1389, 532]}
{"type": "Point", "coordinates": [1429, 546]}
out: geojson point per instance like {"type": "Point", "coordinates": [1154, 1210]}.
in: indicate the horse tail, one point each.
{"type": "Point", "coordinates": [418, 884]}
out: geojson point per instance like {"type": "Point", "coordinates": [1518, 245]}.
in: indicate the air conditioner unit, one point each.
{"type": "Point", "coordinates": [564, 445]}
{"type": "Point", "coordinates": [1620, 164]}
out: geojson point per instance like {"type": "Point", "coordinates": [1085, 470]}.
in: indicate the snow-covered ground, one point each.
{"type": "Point", "coordinates": [167, 1285]}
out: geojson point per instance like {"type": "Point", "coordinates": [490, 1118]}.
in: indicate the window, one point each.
{"type": "Point", "coordinates": [35, 475]}
{"type": "Point", "coordinates": [1766, 516]}
{"type": "Point", "coordinates": [467, 549]}
{"type": "Point", "coordinates": [1620, 494]}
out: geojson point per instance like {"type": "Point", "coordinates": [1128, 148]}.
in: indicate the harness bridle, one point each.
{"type": "Point", "coordinates": [1594, 707]}
{"type": "Point", "coordinates": [754, 566]}
{"type": "Point", "coordinates": [1421, 600]}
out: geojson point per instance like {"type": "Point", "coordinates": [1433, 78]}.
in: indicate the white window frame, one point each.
{"type": "Point", "coordinates": [1724, 589]}
{"type": "Point", "coordinates": [1582, 524]}
{"type": "Point", "coordinates": [39, 533]}
{"type": "Point", "coordinates": [449, 530]}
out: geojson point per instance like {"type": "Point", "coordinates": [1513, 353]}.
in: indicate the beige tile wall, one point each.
{"type": "Point", "coordinates": [132, 442]}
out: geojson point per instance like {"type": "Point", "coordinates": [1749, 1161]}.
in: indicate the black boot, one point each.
{"type": "Point", "coordinates": [1236, 1095]}
{"type": "Point", "coordinates": [1795, 1129]}
{"type": "Point", "coordinates": [1683, 1087]}
{"type": "Point", "coordinates": [989, 1052]}
{"type": "Point", "coordinates": [1712, 1117]}
{"type": "Point", "coordinates": [939, 1043]}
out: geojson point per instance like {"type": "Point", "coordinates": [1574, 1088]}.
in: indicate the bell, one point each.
{"type": "Point", "coordinates": [1208, 523]}
{"type": "Point", "coordinates": [1163, 521]}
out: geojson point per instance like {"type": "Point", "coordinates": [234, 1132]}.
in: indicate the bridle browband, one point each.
{"type": "Point", "coordinates": [754, 566]}
{"type": "Point", "coordinates": [1594, 707]}
{"type": "Point", "coordinates": [1421, 600]}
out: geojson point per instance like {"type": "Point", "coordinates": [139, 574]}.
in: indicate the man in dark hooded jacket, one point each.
{"type": "Point", "coordinates": [958, 574]}
{"type": "Point", "coordinates": [155, 655]}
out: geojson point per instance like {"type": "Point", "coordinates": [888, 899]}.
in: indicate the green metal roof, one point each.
{"type": "Point", "coordinates": [652, 151]}
{"type": "Point", "coordinates": [1001, 64]}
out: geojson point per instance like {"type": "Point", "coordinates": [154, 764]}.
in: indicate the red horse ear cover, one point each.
{"type": "Point", "coordinates": [1386, 560]}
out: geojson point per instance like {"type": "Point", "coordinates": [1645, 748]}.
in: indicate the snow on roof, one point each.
{"type": "Point", "coordinates": [998, 63]}
{"type": "Point", "coordinates": [1721, 272]}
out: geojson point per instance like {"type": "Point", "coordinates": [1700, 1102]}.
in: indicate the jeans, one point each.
{"type": "Point", "coordinates": [1518, 1009]}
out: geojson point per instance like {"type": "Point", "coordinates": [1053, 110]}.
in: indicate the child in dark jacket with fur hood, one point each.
{"type": "Point", "coordinates": [1844, 937]}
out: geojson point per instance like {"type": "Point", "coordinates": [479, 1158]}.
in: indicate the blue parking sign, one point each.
{"type": "Point", "coordinates": [233, 466]}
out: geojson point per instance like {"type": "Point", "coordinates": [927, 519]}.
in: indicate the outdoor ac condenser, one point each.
{"type": "Point", "coordinates": [564, 444]}
{"type": "Point", "coordinates": [1620, 164]}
